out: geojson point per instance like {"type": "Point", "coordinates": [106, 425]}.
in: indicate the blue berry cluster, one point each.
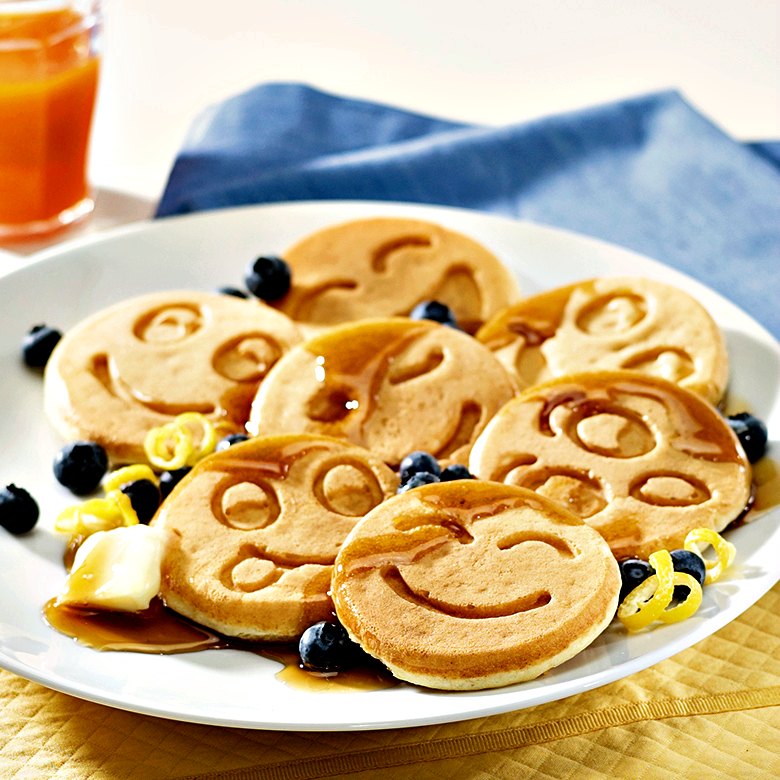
{"type": "Point", "coordinates": [421, 468]}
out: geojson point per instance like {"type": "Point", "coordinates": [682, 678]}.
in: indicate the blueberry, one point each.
{"type": "Point", "coordinates": [268, 278]}
{"type": "Point", "coordinates": [436, 311]}
{"type": "Point", "coordinates": [230, 440]}
{"type": "Point", "coordinates": [752, 434]}
{"type": "Point", "coordinates": [416, 462]}
{"type": "Point", "coordinates": [18, 510]}
{"type": "Point", "coordinates": [145, 497]}
{"type": "Point", "coordinates": [633, 572]}
{"type": "Point", "coordinates": [169, 479]}
{"type": "Point", "coordinates": [234, 291]}
{"type": "Point", "coordinates": [80, 466]}
{"type": "Point", "coordinates": [455, 471]}
{"type": "Point", "coordinates": [417, 480]}
{"type": "Point", "coordinates": [326, 647]}
{"type": "Point", "coordinates": [690, 563]}
{"type": "Point", "coordinates": [38, 344]}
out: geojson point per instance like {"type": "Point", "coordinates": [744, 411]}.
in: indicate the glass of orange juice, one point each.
{"type": "Point", "coordinates": [49, 59]}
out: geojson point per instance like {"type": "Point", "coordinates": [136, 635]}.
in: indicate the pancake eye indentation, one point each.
{"type": "Point", "coordinates": [612, 314]}
{"type": "Point", "coordinates": [314, 304]}
{"type": "Point", "coordinates": [348, 488]}
{"type": "Point", "coordinates": [246, 358]}
{"type": "Point", "coordinates": [331, 404]}
{"type": "Point", "coordinates": [246, 506]}
{"type": "Point", "coordinates": [405, 372]}
{"type": "Point", "coordinates": [521, 537]}
{"type": "Point", "coordinates": [381, 254]}
{"type": "Point", "coordinates": [610, 431]}
{"type": "Point", "coordinates": [431, 523]}
{"type": "Point", "coordinates": [170, 323]}
{"type": "Point", "coordinates": [671, 363]}
{"type": "Point", "coordinates": [670, 489]}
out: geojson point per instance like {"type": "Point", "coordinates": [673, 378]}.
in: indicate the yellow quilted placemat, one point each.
{"type": "Point", "coordinates": [712, 711]}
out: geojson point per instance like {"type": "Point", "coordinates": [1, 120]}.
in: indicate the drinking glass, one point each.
{"type": "Point", "coordinates": [49, 62]}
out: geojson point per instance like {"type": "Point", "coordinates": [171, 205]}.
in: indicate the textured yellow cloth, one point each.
{"type": "Point", "coordinates": [712, 711]}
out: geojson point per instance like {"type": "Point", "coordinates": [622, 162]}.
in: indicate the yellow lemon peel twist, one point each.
{"type": "Point", "coordinates": [97, 514]}
{"type": "Point", "coordinates": [125, 506]}
{"type": "Point", "coordinates": [127, 474]}
{"type": "Point", "coordinates": [172, 446]}
{"type": "Point", "coordinates": [650, 600]}
{"type": "Point", "coordinates": [700, 538]}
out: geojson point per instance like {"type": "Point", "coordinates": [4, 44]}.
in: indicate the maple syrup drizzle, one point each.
{"type": "Point", "coordinates": [156, 630]}
{"type": "Point", "coordinates": [535, 320]}
{"type": "Point", "coordinates": [369, 677]}
{"type": "Point", "coordinates": [350, 371]}
{"type": "Point", "coordinates": [161, 631]}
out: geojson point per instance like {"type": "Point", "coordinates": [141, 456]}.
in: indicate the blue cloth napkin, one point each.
{"type": "Point", "coordinates": [648, 173]}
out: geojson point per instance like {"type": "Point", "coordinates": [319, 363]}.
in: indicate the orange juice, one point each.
{"type": "Point", "coordinates": [48, 80]}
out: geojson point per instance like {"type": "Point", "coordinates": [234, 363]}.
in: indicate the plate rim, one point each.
{"type": "Point", "coordinates": [64, 252]}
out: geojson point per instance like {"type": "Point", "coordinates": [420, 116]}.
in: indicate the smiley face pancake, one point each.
{"type": "Point", "coordinates": [466, 585]}
{"type": "Point", "coordinates": [391, 385]}
{"type": "Point", "coordinates": [252, 532]}
{"type": "Point", "coordinates": [383, 267]}
{"type": "Point", "coordinates": [638, 458]}
{"type": "Point", "coordinates": [612, 323]}
{"type": "Point", "coordinates": [138, 364]}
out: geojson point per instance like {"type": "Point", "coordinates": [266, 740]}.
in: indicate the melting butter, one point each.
{"type": "Point", "coordinates": [117, 570]}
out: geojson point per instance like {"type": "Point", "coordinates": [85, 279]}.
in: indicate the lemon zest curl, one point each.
{"type": "Point", "coordinates": [699, 539]}
{"type": "Point", "coordinates": [97, 514]}
{"type": "Point", "coordinates": [128, 474]}
{"type": "Point", "coordinates": [650, 600]}
{"type": "Point", "coordinates": [173, 445]}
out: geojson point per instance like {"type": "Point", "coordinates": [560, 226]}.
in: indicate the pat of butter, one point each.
{"type": "Point", "coordinates": [117, 569]}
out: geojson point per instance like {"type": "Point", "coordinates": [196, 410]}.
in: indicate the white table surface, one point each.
{"type": "Point", "coordinates": [492, 61]}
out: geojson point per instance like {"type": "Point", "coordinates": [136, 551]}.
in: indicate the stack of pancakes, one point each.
{"type": "Point", "coordinates": [586, 412]}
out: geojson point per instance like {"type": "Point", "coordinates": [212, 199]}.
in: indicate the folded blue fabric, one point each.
{"type": "Point", "coordinates": [648, 173]}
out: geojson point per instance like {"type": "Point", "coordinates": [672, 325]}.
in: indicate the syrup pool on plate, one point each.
{"type": "Point", "coordinates": [159, 630]}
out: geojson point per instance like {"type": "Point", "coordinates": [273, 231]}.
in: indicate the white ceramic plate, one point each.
{"type": "Point", "coordinates": [234, 688]}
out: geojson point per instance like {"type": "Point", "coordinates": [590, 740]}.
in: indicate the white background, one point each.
{"type": "Point", "coordinates": [489, 61]}
{"type": "Point", "coordinates": [484, 61]}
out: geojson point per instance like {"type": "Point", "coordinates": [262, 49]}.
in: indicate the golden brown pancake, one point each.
{"type": "Point", "coordinates": [640, 459]}
{"type": "Point", "coordinates": [612, 323]}
{"type": "Point", "coordinates": [252, 532]}
{"type": "Point", "coordinates": [383, 267]}
{"type": "Point", "coordinates": [391, 385]}
{"type": "Point", "coordinates": [465, 585]}
{"type": "Point", "coordinates": [136, 365]}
